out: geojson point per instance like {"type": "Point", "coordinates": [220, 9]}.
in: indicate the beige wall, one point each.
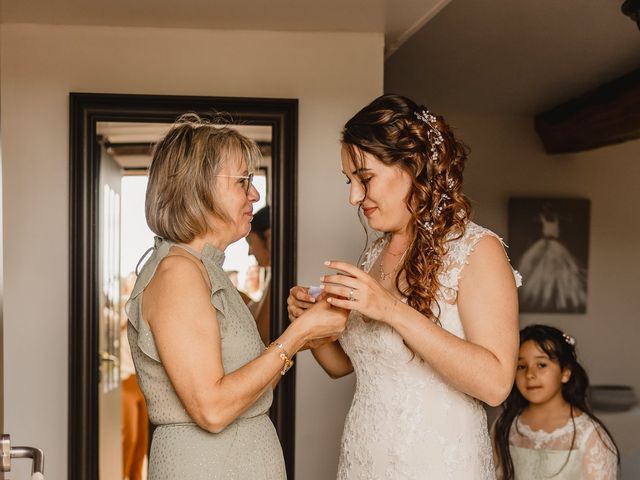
{"type": "Point", "coordinates": [507, 159]}
{"type": "Point", "coordinates": [332, 74]}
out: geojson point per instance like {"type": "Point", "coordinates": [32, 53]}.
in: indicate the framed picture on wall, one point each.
{"type": "Point", "coordinates": [549, 246]}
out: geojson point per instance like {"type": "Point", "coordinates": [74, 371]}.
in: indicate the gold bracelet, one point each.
{"type": "Point", "coordinates": [284, 356]}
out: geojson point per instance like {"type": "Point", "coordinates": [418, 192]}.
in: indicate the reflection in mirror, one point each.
{"type": "Point", "coordinates": [258, 281]}
{"type": "Point", "coordinates": [126, 152]}
{"type": "Point", "coordinates": [109, 308]}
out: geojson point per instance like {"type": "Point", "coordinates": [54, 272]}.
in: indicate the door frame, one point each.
{"type": "Point", "coordinates": [86, 109]}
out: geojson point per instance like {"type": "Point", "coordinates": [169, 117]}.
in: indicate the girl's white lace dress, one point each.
{"type": "Point", "coordinates": [405, 421]}
{"type": "Point", "coordinates": [537, 454]}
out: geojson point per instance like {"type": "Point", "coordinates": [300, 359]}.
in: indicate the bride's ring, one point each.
{"type": "Point", "coordinates": [351, 297]}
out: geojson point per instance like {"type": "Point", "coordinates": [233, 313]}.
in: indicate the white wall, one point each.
{"type": "Point", "coordinates": [332, 74]}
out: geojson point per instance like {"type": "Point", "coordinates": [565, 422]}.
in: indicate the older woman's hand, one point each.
{"type": "Point", "coordinates": [298, 301]}
{"type": "Point", "coordinates": [358, 291]}
{"type": "Point", "coordinates": [323, 321]}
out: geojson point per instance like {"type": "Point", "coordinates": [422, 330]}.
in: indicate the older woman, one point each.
{"type": "Point", "coordinates": [202, 367]}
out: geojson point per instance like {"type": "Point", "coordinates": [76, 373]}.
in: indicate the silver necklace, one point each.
{"type": "Point", "coordinates": [384, 275]}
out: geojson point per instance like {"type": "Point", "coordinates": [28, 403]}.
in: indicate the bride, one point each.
{"type": "Point", "coordinates": [433, 329]}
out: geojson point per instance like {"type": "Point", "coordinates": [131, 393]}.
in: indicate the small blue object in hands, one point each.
{"type": "Point", "coordinates": [315, 291]}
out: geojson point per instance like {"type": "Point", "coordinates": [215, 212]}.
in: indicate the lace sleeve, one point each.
{"type": "Point", "coordinates": [372, 252]}
{"type": "Point", "coordinates": [458, 254]}
{"type": "Point", "coordinates": [599, 460]}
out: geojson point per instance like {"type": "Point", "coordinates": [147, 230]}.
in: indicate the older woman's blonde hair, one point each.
{"type": "Point", "coordinates": [181, 192]}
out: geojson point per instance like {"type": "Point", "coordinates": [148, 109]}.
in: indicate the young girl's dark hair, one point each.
{"type": "Point", "coordinates": [560, 348]}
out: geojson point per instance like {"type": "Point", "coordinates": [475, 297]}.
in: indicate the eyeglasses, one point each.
{"type": "Point", "coordinates": [247, 180]}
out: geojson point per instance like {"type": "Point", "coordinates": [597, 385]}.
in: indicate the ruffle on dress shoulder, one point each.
{"type": "Point", "coordinates": [145, 340]}
{"type": "Point", "coordinates": [218, 301]}
{"type": "Point", "coordinates": [213, 260]}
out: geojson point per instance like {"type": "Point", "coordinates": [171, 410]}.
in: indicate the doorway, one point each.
{"type": "Point", "coordinates": [94, 363]}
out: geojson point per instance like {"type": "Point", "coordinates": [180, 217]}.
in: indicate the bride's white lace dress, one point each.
{"type": "Point", "coordinates": [405, 421]}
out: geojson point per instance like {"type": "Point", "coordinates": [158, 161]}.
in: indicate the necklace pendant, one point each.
{"type": "Point", "coordinates": [385, 275]}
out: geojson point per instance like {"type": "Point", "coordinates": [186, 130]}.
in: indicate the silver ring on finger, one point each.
{"type": "Point", "coordinates": [351, 297]}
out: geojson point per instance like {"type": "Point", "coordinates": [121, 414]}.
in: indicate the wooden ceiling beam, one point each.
{"type": "Point", "coordinates": [608, 115]}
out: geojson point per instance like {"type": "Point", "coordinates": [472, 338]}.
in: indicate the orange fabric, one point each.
{"type": "Point", "coordinates": [135, 429]}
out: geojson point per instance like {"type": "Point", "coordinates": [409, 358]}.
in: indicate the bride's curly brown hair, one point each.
{"type": "Point", "coordinates": [389, 129]}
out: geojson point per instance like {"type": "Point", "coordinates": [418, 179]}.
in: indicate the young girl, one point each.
{"type": "Point", "coordinates": [546, 429]}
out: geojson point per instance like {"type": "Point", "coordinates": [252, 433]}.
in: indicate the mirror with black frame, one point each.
{"type": "Point", "coordinates": [112, 138]}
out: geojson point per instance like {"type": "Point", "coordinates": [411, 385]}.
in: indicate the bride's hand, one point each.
{"type": "Point", "coordinates": [358, 291]}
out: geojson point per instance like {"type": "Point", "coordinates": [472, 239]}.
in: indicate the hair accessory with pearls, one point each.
{"type": "Point", "coordinates": [428, 225]}
{"type": "Point", "coordinates": [569, 339]}
{"type": "Point", "coordinates": [434, 135]}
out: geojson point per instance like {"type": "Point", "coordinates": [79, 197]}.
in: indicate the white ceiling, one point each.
{"type": "Point", "coordinates": [514, 55]}
{"type": "Point", "coordinates": [499, 55]}
{"type": "Point", "coordinates": [398, 19]}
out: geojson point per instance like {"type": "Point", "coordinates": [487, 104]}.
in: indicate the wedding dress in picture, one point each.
{"type": "Point", "coordinates": [553, 279]}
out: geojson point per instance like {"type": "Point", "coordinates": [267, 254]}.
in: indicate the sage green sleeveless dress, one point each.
{"type": "Point", "coordinates": [248, 449]}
